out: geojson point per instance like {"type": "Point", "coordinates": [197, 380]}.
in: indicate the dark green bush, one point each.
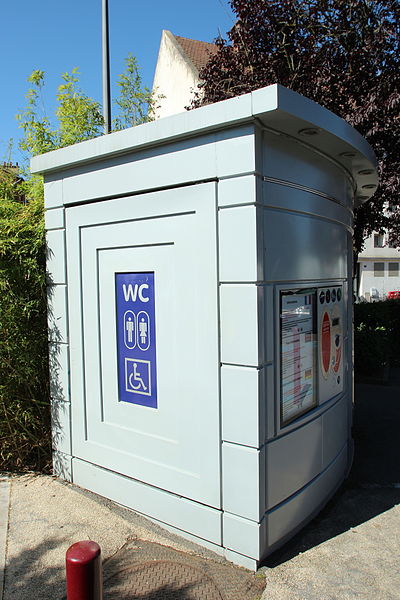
{"type": "Point", "coordinates": [376, 336]}
{"type": "Point", "coordinates": [24, 387]}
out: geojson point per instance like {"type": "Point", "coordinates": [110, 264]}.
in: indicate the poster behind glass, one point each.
{"type": "Point", "coordinates": [298, 353]}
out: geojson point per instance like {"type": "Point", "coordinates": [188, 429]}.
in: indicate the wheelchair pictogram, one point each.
{"type": "Point", "coordinates": [138, 376]}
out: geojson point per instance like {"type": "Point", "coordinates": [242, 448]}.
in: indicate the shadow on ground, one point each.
{"type": "Point", "coordinates": [376, 435]}
{"type": "Point", "coordinates": [373, 486]}
{"type": "Point", "coordinates": [25, 576]}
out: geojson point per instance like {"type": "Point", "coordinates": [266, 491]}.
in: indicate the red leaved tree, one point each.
{"type": "Point", "coordinates": [343, 54]}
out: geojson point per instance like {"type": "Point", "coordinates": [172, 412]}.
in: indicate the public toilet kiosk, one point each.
{"type": "Point", "coordinates": [200, 317]}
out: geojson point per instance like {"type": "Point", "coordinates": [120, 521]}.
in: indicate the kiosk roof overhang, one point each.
{"type": "Point", "coordinates": [274, 107]}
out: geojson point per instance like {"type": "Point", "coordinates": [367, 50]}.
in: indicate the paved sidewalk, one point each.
{"type": "Point", "coordinates": [47, 515]}
{"type": "Point", "coordinates": [350, 551]}
{"type": "Point", "coordinates": [327, 562]}
{"type": "Point", "coordinates": [4, 504]}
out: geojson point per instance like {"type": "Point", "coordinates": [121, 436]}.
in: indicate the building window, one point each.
{"type": "Point", "coordinates": [378, 240]}
{"type": "Point", "coordinates": [379, 269]}
{"type": "Point", "coordinates": [394, 269]}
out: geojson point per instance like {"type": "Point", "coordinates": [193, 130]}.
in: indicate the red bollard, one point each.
{"type": "Point", "coordinates": [84, 572]}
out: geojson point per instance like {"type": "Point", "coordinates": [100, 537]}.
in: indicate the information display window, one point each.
{"type": "Point", "coordinates": [298, 353]}
{"type": "Point", "coordinates": [330, 327]}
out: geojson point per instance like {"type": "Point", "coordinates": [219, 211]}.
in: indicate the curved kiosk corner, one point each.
{"type": "Point", "coordinates": [201, 315]}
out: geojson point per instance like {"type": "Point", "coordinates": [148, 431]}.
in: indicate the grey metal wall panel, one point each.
{"type": "Point", "coordinates": [61, 426]}
{"type": "Point", "coordinates": [243, 470]}
{"type": "Point", "coordinates": [309, 248]}
{"type": "Point", "coordinates": [57, 315]}
{"type": "Point", "coordinates": [275, 195]}
{"type": "Point", "coordinates": [53, 191]}
{"type": "Point", "coordinates": [237, 190]}
{"type": "Point", "coordinates": [335, 430]}
{"type": "Point", "coordinates": [293, 461]}
{"type": "Point", "coordinates": [238, 251]}
{"type": "Point", "coordinates": [243, 535]}
{"type": "Point", "coordinates": [222, 154]}
{"type": "Point", "coordinates": [195, 518]}
{"type": "Point", "coordinates": [59, 371]}
{"type": "Point", "coordinates": [54, 218]}
{"type": "Point", "coordinates": [307, 167]}
{"type": "Point", "coordinates": [288, 517]}
{"type": "Point", "coordinates": [62, 465]}
{"type": "Point", "coordinates": [241, 390]}
{"type": "Point", "coordinates": [56, 260]}
{"type": "Point", "coordinates": [239, 324]}
{"type": "Point", "coordinates": [267, 322]}
{"type": "Point", "coordinates": [269, 401]}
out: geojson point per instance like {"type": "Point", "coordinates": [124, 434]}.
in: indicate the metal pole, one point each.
{"type": "Point", "coordinates": [106, 69]}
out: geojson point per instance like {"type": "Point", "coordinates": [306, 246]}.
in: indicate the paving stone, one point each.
{"type": "Point", "coordinates": [144, 570]}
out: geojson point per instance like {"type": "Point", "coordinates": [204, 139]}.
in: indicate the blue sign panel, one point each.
{"type": "Point", "coordinates": [136, 338]}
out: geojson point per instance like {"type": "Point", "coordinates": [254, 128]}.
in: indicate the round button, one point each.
{"type": "Point", "coordinates": [339, 294]}
{"type": "Point", "coordinates": [328, 295]}
{"type": "Point", "coordinates": [322, 297]}
{"type": "Point", "coordinates": [333, 295]}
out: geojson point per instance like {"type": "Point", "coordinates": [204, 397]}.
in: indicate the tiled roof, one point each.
{"type": "Point", "coordinates": [198, 52]}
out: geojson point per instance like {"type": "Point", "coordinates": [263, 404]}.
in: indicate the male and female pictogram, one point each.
{"type": "Point", "coordinates": [136, 330]}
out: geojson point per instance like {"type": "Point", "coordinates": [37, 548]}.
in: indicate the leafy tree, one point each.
{"type": "Point", "coordinates": [136, 103]}
{"type": "Point", "coordinates": [24, 384]}
{"type": "Point", "coordinates": [79, 117]}
{"type": "Point", "coordinates": [344, 54]}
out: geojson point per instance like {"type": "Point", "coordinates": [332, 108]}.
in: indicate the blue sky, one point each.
{"type": "Point", "coordinates": [56, 36]}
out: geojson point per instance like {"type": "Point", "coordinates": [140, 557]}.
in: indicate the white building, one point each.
{"type": "Point", "coordinates": [177, 71]}
{"type": "Point", "coordinates": [379, 268]}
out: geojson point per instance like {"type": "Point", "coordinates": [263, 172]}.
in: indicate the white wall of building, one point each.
{"type": "Point", "coordinates": [175, 77]}
{"type": "Point", "coordinates": [384, 279]}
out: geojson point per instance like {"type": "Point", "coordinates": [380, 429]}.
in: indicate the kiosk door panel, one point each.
{"type": "Point", "coordinates": [143, 283]}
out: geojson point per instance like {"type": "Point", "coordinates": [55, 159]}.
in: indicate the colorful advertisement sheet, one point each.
{"type": "Point", "coordinates": [298, 354]}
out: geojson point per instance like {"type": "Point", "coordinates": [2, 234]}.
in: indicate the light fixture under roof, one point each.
{"type": "Point", "coordinates": [369, 186]}
{"type": "Point", "coordinates": [347, 154]}
{"type": "Point", "coordinates": [309, 131]}
{"type": "Point", "coordinates": [366, 172]}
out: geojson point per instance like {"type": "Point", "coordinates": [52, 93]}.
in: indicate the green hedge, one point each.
{"type": "Point", "coordinates": [24, 382]}
{"type": "Point", "coordinates": [376, 336]}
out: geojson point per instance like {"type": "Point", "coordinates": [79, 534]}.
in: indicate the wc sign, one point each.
{"type": "Point", "coordinates": [136, 338]}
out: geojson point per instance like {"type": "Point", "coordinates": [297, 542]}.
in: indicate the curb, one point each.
{"type": "Point", "coordinates": [4, 507]}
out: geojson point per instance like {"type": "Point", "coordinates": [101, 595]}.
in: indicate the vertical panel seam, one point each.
{"type": "Point", "coordinates": [218, 288]}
